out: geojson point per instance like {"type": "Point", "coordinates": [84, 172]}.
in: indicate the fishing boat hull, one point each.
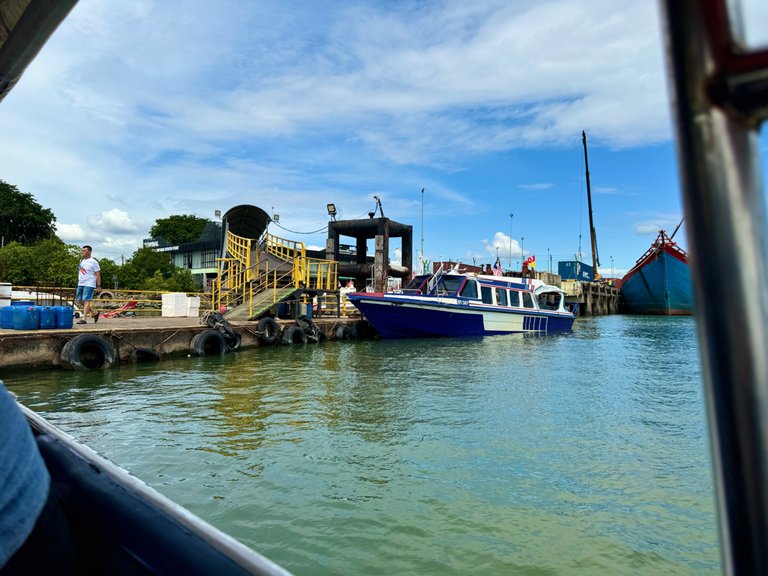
{"type": "Point", "coordinates": [660, 284]}
{"type": "Point", "coordinates": [400, 317]}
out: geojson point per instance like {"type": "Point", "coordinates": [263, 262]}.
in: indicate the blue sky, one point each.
{"type": "Point", "coordinates": [139, 110]}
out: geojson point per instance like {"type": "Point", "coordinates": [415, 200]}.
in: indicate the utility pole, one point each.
{"type": "Point", "coordinates": [510, 240]}
{"type": "Point", "coordinates": [593, 234]}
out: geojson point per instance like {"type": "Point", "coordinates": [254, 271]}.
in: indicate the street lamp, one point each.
{"type": "Point", "coordinates": [612, 275]}
{"type": "Point", "coordinates": [332, 211]}
{"type": "Point", "coordinates": [510, 240]}
{"type": "Point", "coordinates": [549, 262]}
{"type": "Point", "coordinates": [522, 248]}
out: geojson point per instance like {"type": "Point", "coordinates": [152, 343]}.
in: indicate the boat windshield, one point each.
{"type": "Point", "coordinates": [417, 282]}
{"type": "Point", "coordinates": [449, 284]}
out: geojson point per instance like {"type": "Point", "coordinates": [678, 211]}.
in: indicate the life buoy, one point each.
{"type": "Point", "coordinates": [88, 352]}
{"type": "Point", "coordinates": [145, 355]}
{"type": "Point", "coordinates": [309, 327]}
{"type": "Point", "coordinates": [268, 330]}
{"type": "Point", "coordinates": [294, 335]}
{"type": "Point", "coordinates": [208, 343]}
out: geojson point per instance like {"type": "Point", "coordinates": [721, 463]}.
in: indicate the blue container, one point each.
{"type": "Point", "coordinates": [6, 317]}
{"type": "Point", "coordinates": [26, 318]}
{"type": "Point", "coordinates": [22, 303]}
{"type": "Point", "coordinates": [47, 317]}
{"type": "Point", "coordinates": [64, 316]}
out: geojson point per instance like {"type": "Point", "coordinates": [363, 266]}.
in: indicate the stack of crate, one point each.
{"type": "Point", "coordinates": [174, 305]}
{"type": "Point", "coordinates": [193, 306]}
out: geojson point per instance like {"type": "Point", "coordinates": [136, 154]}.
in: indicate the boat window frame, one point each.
{"type": "Point", "coordinates": [527, 300]}
{"type": "Point", "coordinates": [463, 292]}
{"type": "Point", "coordinates": [503, 293]}
{"type": "Point", "coordinates": [486, 293]}
{"type": "Point", "coordinates": [516, 294]}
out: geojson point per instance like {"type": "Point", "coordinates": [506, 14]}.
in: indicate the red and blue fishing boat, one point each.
{"type": "Point", "coordinates": [660, 281]}
{"type": "Point", "coordinates": [456, 304]}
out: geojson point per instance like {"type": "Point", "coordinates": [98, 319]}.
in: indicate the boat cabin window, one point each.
{"type": "Point", "coordinates": [449, 284]}
{"type": "Point", "coordinates": [470, 289]}
{"type": "Point", "coordinates": [549, 301]}
{"type": "Point", "coordinates": [514, 298]}
{"type": "Point", "coordinates": [487, 293]}
{"type": "Point", "coordinates": [501, 297]}
{"type": "Point", "coordinates": [418, 282]}
{"type": "Point", "coordinates": [527, 300]}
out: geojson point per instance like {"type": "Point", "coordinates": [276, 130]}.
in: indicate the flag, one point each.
{"type": "Point", "coordinates": [530, 261]}
{"type": "Point", "coordinates": [497, 271]}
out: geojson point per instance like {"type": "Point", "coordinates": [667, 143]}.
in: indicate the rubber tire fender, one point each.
{"type": "Point", "coordinates": [268, 330]}
{"type": "Point", "coordinates": [341, 333]}
{"type": "Point", "coordinates": [88, 352]}
{"type": "Point", "coordinates": [106, 295]}
{"type": "Point", "coordinates": [208, 343]}
{"type": "Point", "coordinates": [294, 335]}
{"type": "Point", "coordinates": [309, 327]}
{"type": "Point", "coordinates": [145, 355]}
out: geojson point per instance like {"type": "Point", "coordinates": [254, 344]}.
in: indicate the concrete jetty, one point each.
{"type": "Point", "coordinates": [126, 336]}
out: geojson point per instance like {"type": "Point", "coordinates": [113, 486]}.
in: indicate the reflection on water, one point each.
{"type": "Point", "coordinates": [580, 453]}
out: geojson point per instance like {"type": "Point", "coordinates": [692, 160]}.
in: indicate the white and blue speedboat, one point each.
{"type": "Point", "coordinates": [455, 304]}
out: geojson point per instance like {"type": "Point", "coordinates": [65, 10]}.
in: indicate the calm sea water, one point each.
{"type": "Point", "coordinates": [584, 453]}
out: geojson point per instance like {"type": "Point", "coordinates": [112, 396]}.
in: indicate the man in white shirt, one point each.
{"type": "Point", "coordinates": [88, 283]}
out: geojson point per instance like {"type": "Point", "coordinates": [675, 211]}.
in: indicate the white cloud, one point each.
{"type": "Point", "coordinates": [115, 221]}
{"type": "Point", "coordinates": [70, 233]}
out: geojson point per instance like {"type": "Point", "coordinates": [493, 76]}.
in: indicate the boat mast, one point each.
{"type": "Point", "coordinates": [676, 229]}
{"type": "Point", "coordinates": [593, 234]}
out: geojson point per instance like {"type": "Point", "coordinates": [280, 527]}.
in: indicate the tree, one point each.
{"type": "Point", "coordinates": [142, 266]}
{"type": "Point", "coordinates": [22, 219]}
{"type": "Point", "coordinates": [178, 229]}
{"type": "Point", "coordinates": [49, 262]}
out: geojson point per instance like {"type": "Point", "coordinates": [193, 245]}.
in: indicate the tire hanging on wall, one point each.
{"type": "Point", "coordinates": [88, 352]}
{"type": "Point", "coordinates": [309, 328]}
{"type": "Point", "coordinates": [208, 343]}
{"type": "Point", "coordinates": [294, 335]}
{"type": "Point", "coordinates": [268, 330]}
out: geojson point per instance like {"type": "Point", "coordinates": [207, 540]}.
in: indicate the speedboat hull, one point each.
{"type": "Point", "coordinates": [402, 317]}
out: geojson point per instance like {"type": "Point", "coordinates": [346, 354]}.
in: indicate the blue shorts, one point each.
{"type": "Point", "coordinates": [84, 293]}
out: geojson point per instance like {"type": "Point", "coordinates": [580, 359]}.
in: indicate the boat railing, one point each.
{"type": "Point", "coordinates": [719, 86]}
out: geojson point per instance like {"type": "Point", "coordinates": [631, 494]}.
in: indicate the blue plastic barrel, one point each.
{"type": "Point", "coordinates": [22, 303]}
{"type": "Point", "coordinates": [64, 316]}
{"type": "Point", "coordinates": [6, 317]}
{"type": "Point", "coordinates": [26, 318]}
{"type": "Point", "coordinates": [47, 317]}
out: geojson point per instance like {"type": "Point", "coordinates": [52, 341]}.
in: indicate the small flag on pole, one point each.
{"type": "Point", "coordinates": [497, 271]}
{"type": "Point", "coordinates": [530, 261]}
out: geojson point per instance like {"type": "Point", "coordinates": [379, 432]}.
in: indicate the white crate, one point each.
{"type": "Point", "coordinates": [174, 305]}
{"type": "Point", "coordinates": [193, 306]}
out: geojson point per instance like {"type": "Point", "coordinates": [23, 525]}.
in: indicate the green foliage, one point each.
{"type": "Point", "coordinates": [180, 281]}
{"type": "Point", "coordinates": [49, 262]}
{"type": "Point", "coordinates": [142, 267]}
{"type": "Point", "coordinates": [178, 229]}
{"type": "Point", "coordinates": [22, 219]}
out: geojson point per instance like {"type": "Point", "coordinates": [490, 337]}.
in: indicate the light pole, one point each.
{"type": "Point", "coordinates": [510, 240]}
{"type": "Point", "coordinates": [549, 262]}
{"type": "Point", "coordinates": [612, 267]}
{"type": "Point", "coordinates": [522, 248]}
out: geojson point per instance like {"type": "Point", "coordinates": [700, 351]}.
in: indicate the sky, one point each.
{"type": "Point", "coordinates": [135, 111]}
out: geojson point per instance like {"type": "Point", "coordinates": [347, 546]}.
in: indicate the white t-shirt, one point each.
{"type": "Point", "coordinates": [87, 272]}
